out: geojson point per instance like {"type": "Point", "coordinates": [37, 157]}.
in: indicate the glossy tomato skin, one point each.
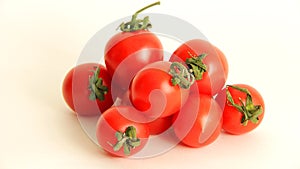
{"type": "Point", "coordinates": [128, 52]}
{"type": "Point", "coordinates": [113, 121]}
{"type": "Point", "coordinates": [206, 117]}
{"type": "Point", "coordinates": [215, 77]}
{"type": "Point", "coordinates": [160, 125]}
{"type": "Point", "coordinates": [232, 117]}
{"type": "Point", "coordinates": [75, 90]}
{"type": "Point", "coordinates": [224, 62]}
{"type": "Point", "coordinates": [153, 93]}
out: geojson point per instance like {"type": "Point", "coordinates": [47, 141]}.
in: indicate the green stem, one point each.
{"type": "Point", "coordinates": [146, 7]}
{"type": "Point", "coordinates": [250, 111]}
{"type": "Point", "coordinates": [138, 24]}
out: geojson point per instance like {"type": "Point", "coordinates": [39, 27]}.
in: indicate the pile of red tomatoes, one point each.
{"type": "Point", "coordinates": [138, 93]}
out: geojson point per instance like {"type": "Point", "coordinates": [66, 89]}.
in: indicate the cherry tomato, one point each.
{"type": "Point", "coordinates": [206, 117]}
{"type": "Point", "coordinates": [207, 62]}
{"type": "Point", "coordinates": [86, 89]}
{"type": "Point", "coordinates": [243, 108]}
{"type": "Point", "coordinates": [130, 50]}
{"type": "Point", "coordinates": [153, 92]}
{"type": "Point", "coordinates": [118, 135]}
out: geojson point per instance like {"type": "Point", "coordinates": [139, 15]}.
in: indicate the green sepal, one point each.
{"type": "Point", "coordinates": [135, 143]}
{"type": "Point", "coordinates": [96, 87]}
{"type": "Point", "coordinates": [250, 111]}
{"type": "Point", "coordinates": [92, 96]}
{"type": "Point", "coordinates": [175, 81]}
{"type": "Point", "coordinates": [118, 145]}
{"type": "Point", "coordinates": [181, 76]}
{"type": "Point", "coordinates": [119, 136]}
{"type": "Point", "coordinates": [128, 140]}
{"type": "Point", "coordinates": [126, 149]}
{"type": "Point", "coordinates": [196, 65]}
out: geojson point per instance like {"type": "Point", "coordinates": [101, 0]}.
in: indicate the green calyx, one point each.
{"type": "Point", "coordinates": [250, 111]}
{"type": "Point", "coordinates": [181, 76]}
{"type": "Point", "coordinates": [128, 140]}
{"type": "Point", "coordinates": [196, 65]}
{"type": "Point", "coordinates": [137, 24]}
{"type": "Point", "coordinates": [96, 87]}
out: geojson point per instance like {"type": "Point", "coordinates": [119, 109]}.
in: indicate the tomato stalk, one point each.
{"type": "Point", "coordinates": [98, 90]}
{"type": "Point", "coordinates": [137, 24]}
{"type": "Point", "coordinates": [248, 109]}
{"type": "Point", "coordinates": [128, 140]}
{"type": "Point", "coordinates": [181, 76]}
{"type": "Point", "coordinates": [196, 65]}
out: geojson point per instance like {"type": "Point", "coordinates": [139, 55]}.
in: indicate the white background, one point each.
{"type": "Point", "coordinates": [41, 40]}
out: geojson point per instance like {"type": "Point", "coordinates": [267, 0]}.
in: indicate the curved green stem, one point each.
{"type": "Point", "coordinates": [138, 24]}
{"type": "Point", "coordinates": [146, 7]}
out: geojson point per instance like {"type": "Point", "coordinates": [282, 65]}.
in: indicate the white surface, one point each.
{"type": "Point", "coordinates": [41, 40]}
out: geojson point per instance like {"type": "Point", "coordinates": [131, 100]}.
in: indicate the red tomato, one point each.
{"type": "Point", "coordinates": [128, 52]}
{"type": "Point", "coordinates": [118, 135]}
{"type": "Point", "coordinates": [160, 125]}
{"type": "Point", "coordinates": [85, 92]}
{"type": "Point", "coordinates": [153, 93]}
{"type": "Point", "coordinates": [243, 108]}
{"type": "Point", "coordinates": [206, 117]}
{"type": "Point", "coordinates": [213, 77]}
